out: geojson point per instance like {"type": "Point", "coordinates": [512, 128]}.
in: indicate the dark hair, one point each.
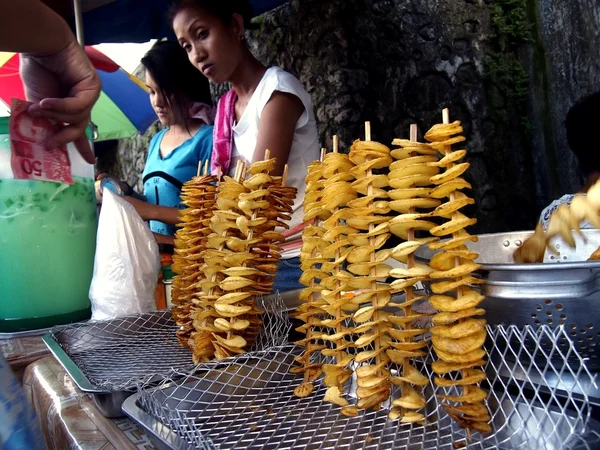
{"type": "Point", "coordinates": [223, 9]}
{"type": "Point", "coordinates": [179, 81]}
{"type": "Point", "coordinates": [581, 124]}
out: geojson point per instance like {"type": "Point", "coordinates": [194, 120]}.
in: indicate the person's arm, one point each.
{"type": "Point", "coordinates": [277, 127]}
{"type": "Point", "coordinates": [29, 26]}
{"type": "Point", "coordinates": [148, 211]}
{"type": "Point", "coordinates": [58, 76]}
{"type": "Point", "coordinates": [163, 239]}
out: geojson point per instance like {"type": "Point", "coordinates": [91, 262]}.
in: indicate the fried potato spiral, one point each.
{"type": "Point", "coordinates": [458, 343]}
{"type": "Point", "coordinates": [234, 259]}
{"type": "Point", "coordinates": [565, 222]}
{"type": "Point", "coordinates": [413, 161]}
{"type": "Point", "coordinates": [199, 197]}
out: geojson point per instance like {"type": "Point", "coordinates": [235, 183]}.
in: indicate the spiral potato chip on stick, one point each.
{"type": "Point", "coordinates": [457, 337]}
{"type": "Point", "coordinates": [337, 191]}
{"type": "Point", "coordinates": [258, 209]}
{"type": "Point", "coordinates": [367, 264]}
{"type": "Point", "coordinates": [564, 222]}
{"type": "Point", "coordinates": [411, 163]}
{"type": "Point", "coordinates": [198, 195]}
{"type": "Point", "coordinates": [240, 260]}
{"type": "Point", "coordinates": [214, 300]}
{"type": "Point", "coordinates": [312, 243]}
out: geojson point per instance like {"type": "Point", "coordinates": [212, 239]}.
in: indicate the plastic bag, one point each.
{"type": "Point", "coordinates": [127, 262]}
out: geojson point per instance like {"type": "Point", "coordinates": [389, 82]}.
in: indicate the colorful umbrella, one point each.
{"type": "Point", "coordinates": [122, 109]}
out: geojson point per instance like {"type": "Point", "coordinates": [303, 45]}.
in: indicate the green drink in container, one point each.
{"type": "Point", "coordinates": [47, 243]}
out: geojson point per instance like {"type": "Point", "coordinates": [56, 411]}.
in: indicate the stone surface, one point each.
{"type": "Point", "coordinates": [570, 33]}
{"type": "Point", "coordinates": [397, 62]}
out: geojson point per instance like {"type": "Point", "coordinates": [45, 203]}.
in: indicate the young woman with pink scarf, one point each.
{"type": "Point", "coordinates": [267, 108]}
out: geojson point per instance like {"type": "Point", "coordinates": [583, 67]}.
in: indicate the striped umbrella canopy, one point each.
{"type": "Point", "coordinates": [123, 107]}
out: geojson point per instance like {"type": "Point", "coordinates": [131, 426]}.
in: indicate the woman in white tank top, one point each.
{"type": "Point", "coordinates": [267, 108]}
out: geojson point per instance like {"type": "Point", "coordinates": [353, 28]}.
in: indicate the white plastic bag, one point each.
{"type": "Point", "coordinates": [127, 262]}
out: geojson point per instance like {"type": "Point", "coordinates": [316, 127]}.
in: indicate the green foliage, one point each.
{"type": "Point", "coordinates": [509, 18]}
{"type": "Point", "coordinates": [509, 76]}
{"type": "Point", "coordinates": [503, 68]}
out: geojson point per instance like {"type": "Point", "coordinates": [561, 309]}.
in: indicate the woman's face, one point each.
{"type": "Point", "coordinates": [159, 102]}
{"type": "Point", "coordinates": [213, 47]}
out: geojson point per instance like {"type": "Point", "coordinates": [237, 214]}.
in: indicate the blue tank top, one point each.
{"type": "Point", "coordinates": [164, 177]}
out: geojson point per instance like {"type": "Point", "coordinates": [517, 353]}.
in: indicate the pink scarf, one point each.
{"type": "Point", "coordinates": [223, 133]}
{"type": "Point", "coordinates": [203, 112]}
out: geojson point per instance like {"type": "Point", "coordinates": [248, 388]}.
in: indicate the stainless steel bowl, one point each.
{"type": "Point", "coordinates": [562, 291]}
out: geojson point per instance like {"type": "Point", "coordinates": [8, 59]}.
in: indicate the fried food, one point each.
{"type": "Point", "coordinates": [564, 222]}
{"type": "Point", "coordinates": [199, 195]}
{"type": "Point", "coordinates": [227, 254]}
{"type": "Point", "coordinates": [457, 338]}
{"type": "Point", "coordinates": [326, 246]}
{"type": "Point", "coordinates": [413, 203]}
{"type": "Point", "coordinates": [368, 266]}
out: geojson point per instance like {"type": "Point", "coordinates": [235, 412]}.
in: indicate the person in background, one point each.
{"type": "Point", "coordinates": [581, 122]}
{"type": "Point", "coordinates": [182, 101]}
{"type": "Point", "coordinates": [63, 85]}
{"type": "Point", "coordinates": [267, 108]}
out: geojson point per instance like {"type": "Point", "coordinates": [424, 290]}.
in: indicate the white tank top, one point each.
{"type": "Point", "coordinates": [305, 145]}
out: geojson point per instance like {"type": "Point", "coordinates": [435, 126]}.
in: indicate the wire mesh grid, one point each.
{"type": "Point", "coordinates": [120, 354]}
{"type": "Point", "coordinates": [249, 403]}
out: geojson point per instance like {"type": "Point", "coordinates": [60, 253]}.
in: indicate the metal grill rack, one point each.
{"type": "Point", "coordinates": [249, 403]}
{"type": "Point", "coordinates": [120, 354]}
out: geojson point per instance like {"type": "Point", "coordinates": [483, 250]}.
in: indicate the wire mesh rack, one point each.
{"type": "Point", "coordinates": [120, 354]}
{"type": "Point", "coordinates": [249, 403]}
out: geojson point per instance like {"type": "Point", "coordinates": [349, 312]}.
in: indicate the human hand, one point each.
{"type": "Point", "coordinates": [64, 87]}
{"type": "Point", "coordinates": [144, 209]}
{"type": "Point", "coordinates": [127, 190]}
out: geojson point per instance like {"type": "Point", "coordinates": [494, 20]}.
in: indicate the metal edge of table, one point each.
{"type": "Point", "coordinates": [70, 367]}
{"type": "Point", "coordinates": [166, 438]}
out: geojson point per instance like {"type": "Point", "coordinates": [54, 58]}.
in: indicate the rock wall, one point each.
{"type": "Point", "coordinates": [504, 68]}
{"type": "Point", "coordinates": [396, 62]}
{"type": "Point", "coordinates": [570, 34]}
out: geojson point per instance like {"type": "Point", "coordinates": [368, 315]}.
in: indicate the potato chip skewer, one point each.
{"type": "Point", "coordinates": [214, 277]}
{"type": "Point", "coordinates": [309, 254]}
{"type": "Point", "coordinates": [336, 193]}
{"type": "Point", "coordinates": [369, 214]}
{"type": "Point", "coordinates": [456, 261]}
{"type": "Point", "coordinates": [405, 408]}
{"type": "Point", "coordinates": [198, 195]}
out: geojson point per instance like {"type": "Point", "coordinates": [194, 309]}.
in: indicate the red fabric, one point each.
{"type": "Point", "coordinates": [223, 133]}
{"type": "Point", "coordinates": [100, 60]}
{"type": "Point", "coordinates": [11, 85]}
{"type": "Point", "coordinates": [10, 81]}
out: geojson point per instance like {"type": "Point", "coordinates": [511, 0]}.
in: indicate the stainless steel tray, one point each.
{"type": "Point", "coordinates": [22, 334]}
{"type": "Point", "coordinates": [164, 438]}
{"type": "Point", "coordinates": [249, 404]}
{"type": "Point", "coordinates": [108, 359]}
{"type": "Point", "coordinates": [565, 276]}
{"type": "Point", "coordinates": [562, 292]}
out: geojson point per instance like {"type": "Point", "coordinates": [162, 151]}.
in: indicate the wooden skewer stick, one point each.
{"type": "Point", "coordinates": [339, 328]}
{"type": "Point", "coordinates": [459, 290]}
{"type": "Point", "coordinates": [373, 268]}
{"type": "Point", "coordinates": [199, 168]}
{"type": "Point", "coordinates": [311, 285]}
{"type": "Point", "coordinates": [206, 167]}
{"type": "Point", "coordinates": [286, 168]}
